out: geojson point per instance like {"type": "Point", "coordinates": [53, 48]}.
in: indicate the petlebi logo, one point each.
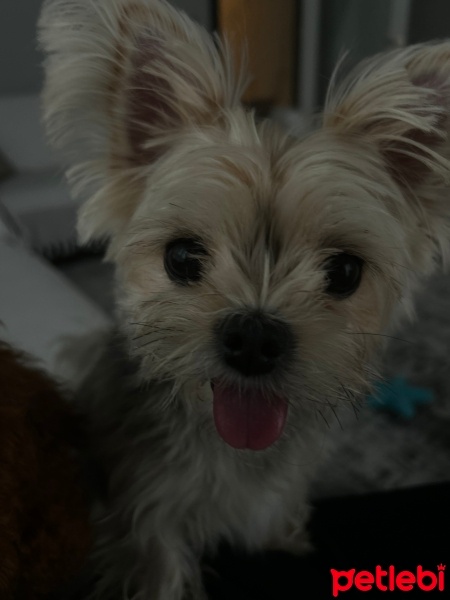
{"type": "Point", "coordinates": [388, 580]}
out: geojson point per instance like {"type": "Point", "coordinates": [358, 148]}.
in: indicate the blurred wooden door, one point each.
{"type": "Point", "coordinates": [269, 29]}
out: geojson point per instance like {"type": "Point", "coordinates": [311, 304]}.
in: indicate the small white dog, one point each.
{"type": "Point", "coordinates": [255, 271]}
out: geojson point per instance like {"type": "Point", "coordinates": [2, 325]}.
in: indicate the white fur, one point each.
{"type": "Point", "coordinates": [147, 107]}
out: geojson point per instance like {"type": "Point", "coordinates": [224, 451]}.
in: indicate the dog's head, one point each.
{"type": "Point", "coordinates": [259, 265]}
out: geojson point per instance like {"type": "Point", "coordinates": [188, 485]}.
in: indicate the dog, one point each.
{"type": "Point", "coordinates": [256, 272]}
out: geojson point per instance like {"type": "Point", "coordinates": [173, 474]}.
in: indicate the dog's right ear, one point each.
{"type": "Point", "coordinates": [124, 78]}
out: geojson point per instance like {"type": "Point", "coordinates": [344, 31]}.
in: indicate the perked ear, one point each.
{"type": "Point", "coordinates": [399, 102]}
{"type": "Point", "coordinates": [123, 79]}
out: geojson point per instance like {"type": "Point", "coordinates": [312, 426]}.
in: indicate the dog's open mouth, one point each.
{"type": "Point", "coordinates": [248, 418]}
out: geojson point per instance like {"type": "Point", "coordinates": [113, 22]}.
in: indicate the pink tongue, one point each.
{"type": "Point", "coordinates": [248, 419]}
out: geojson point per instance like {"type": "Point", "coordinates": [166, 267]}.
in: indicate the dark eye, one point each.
{"type": "Point", "coordinates": [343, 274]}
{"type": "Point", "coordinates": [184, 260]}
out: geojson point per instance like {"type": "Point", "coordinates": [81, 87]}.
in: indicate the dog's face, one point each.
{"type": "Point", "coordinates": [256, 271]}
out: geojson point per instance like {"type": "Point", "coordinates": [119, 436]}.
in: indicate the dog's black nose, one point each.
{"type": "Point", "coordinates": [253, 343]}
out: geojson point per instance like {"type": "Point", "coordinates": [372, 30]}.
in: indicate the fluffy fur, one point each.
{"type": "Point", "coordinates": [147, 106]}
{"type": "Point", "coordinates": [44, 523]}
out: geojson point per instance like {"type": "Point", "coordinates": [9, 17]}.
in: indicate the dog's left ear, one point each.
{"type": "Point", "coordinates": [399, 103]}
{"type": "Point", "coordinates": [124, 79]}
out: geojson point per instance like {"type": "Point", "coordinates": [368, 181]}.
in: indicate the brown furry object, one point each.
{"type": "Point", "coordinates": [44, 530]}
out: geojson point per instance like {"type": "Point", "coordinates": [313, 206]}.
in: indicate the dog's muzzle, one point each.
{"type": "Point", "coordinates": [253, 343]}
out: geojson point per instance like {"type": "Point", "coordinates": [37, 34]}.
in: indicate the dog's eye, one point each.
{"type": "Point", "coordinates": [343, 274]}
{"type": "Point", "coordinates": [184, 260]}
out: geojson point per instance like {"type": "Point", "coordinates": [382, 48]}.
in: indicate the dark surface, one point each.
{"type": "Point", "coordinates": [404, 528]}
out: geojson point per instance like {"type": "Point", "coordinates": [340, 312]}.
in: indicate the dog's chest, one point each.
{"type": "Point", "coordinates": [213, 495]}
{"type": "Point", "coordinates": [172, 473]}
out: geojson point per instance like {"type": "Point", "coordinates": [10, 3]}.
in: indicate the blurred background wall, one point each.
{"type": "Point", "coordinates": [20, 61]}
{"type": "Point", "coordinates": [361, 27]}
{"type": "Point", "coordinates": [364, 27]}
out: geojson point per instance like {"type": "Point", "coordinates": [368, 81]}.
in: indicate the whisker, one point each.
{"type": "Point", "coordinates": [176, 302]}
{"type": "Point", "coordinates": [346, 392]}
{"type": "Point", "coordinates": [392, 337]}
{"type": "Point", "coordinates": [336, 415]}
{"type": "Point", "coordinates": [153, 341]}
{"type": "Point", "coordinates": [147, 324]}
{"type": "Point", "coordinates": [158, 329]}
{"type": "Point", "coordinates": [323, 417]}
{"type": "Point", "coordinates": [181, 300]}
